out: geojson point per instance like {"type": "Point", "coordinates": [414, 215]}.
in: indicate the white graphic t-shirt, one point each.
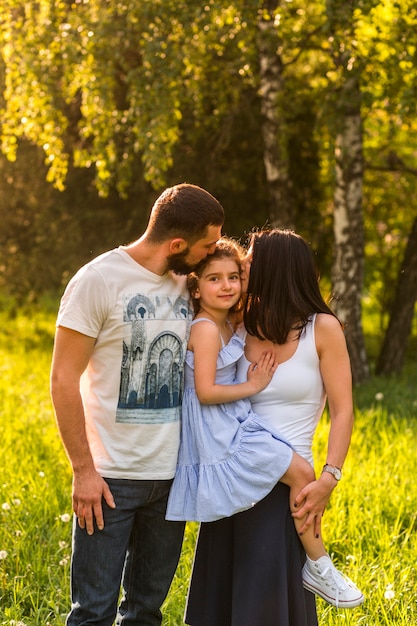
{"type": "Point", "coordinates": [132, 387]}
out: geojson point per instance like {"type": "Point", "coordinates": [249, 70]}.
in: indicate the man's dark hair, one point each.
{"type": "Point", "coordinates": [184, 211]}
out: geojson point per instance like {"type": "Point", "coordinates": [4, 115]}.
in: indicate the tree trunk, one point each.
{"type": "Point", "coordinates": [392, 356]}
{"type": "Point", "coordinates": [274, 133]}
{"type": "Point", "coordinates": [348, 266]}
{"type": "Point", "coordinates": [347, 272]}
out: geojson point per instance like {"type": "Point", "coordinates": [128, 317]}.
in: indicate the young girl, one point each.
{"type": "Point", "coordinates": [229, 459]}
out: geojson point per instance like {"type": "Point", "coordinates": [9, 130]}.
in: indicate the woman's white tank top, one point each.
{"type": "Point", "coordinates": [294, 400]}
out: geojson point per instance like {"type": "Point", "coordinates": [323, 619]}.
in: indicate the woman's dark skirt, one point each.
{"type": "Point", "coordinates": [247, 570]}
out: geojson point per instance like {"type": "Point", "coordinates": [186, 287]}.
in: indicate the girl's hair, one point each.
{"type": "Point", "coordinates": [283, 290]}
{"type": "Point", "coordinates": [225, 249]}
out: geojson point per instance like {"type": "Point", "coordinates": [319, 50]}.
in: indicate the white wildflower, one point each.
{"type": "Point", "coordinates": [5, 506]}
{"type": "Point", "coordinates": [379, 396]}
{"type": "Point", "coordinates": [65, 517]}
{"type": "Point", "coordinates": [389, 592]}
{"type": "Point", "coordinates": [3, 554]}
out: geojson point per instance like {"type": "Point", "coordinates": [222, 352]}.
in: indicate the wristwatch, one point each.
{"type": "Point", "coordinates": [336, 471]}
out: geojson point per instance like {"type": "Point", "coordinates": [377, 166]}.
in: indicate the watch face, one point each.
{"type": "Point", "coordinates": [333, 470]}
{"type": "Point", "coordinates": [337, 473]}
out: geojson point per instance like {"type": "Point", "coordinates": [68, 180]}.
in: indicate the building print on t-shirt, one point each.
{"type": "Point", "coordinates": [151, 378]}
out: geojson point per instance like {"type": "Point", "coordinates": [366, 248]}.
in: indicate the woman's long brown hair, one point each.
{"type": "Point", "coordinates": [283, 291]}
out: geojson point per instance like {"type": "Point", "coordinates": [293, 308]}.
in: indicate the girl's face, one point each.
{"type": "Point", "coordinates": [246, 263]}
{"type": "Point", "coordinates": [219, 285]}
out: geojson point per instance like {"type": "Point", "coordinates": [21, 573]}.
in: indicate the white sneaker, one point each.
{"type": "Point", "coordinates": [322, 578]}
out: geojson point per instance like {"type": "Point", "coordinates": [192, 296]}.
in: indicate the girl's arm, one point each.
{"type": "Point", "coordinates": [205, 343]}
{"type": "Point", "coordinates": [336, 373]}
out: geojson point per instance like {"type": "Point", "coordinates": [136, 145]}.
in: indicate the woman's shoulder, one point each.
{"type": "Point", "coordinates": [326, 319]}
{"type": "Point", "coordinates": [328, 331]}
{"type": "Point", "coordinates": [326, 322]}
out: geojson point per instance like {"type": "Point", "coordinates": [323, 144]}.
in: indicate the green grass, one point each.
{"type": "Point", "coordinates": [369, 527]}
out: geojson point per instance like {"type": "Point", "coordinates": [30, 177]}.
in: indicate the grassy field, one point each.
{"type": "Point", "coordinates": [369, 528]}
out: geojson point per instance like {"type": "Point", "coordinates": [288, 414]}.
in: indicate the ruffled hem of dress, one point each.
{"type": "Point", "coordinates": [205, 493]}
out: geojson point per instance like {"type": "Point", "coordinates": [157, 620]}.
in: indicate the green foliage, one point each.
{"type": "Point", "coordinates": [32, 36]}
{"type": "Point", "coordinates": [46, 235]}
{"type": "Point", "coordinates": [369, 527]}
{"type": "Point", "coordinates": [34, 495]}
{"type": "Point", "coordinates": [122, 98]}
{"type": "Point", "coordinates": [107, 83]}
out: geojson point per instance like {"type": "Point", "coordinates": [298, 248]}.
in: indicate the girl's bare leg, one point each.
{"type": "Point", "coordinates": [319, 573]}
{"type": "Point", "coordinates": [298, 475]}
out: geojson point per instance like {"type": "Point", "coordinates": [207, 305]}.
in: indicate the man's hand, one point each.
{"type": "Point", "coordinates": [88, 491]}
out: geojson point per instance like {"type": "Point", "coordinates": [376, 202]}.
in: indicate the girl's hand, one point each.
{"type": "Point", "coordinates": [260, 373]}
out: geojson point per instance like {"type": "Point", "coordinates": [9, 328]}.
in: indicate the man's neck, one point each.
{"type": "Point", "coordinates": [151, 257]}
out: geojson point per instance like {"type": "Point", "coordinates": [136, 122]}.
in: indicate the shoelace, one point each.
{"type": "Point", "coordinates": [338, 580]}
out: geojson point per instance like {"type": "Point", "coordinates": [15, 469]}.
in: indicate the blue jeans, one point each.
{"type": "Point", "coordinates": [137, 549]}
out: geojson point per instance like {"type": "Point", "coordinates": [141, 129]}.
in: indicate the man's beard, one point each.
{"type": "Point", "coordinates": [177, 263]}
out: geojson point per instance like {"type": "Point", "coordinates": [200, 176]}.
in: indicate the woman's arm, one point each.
{"type": "Point", "coordinates": [336, 373]}
{"type": "Point", "coordinates": [205, 343]}
{"type": "Point", "coordinates": [337, 378]}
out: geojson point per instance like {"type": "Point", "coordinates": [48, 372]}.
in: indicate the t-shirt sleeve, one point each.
{"type": "Point", "coordinates": [85, 304]}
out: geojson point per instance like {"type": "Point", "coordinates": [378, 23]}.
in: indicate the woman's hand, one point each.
{"type": "Point", "coordinates": [311, 502]}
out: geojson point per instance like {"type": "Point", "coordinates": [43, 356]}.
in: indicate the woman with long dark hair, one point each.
{"type": "Point", "coordinates": [250, 569]}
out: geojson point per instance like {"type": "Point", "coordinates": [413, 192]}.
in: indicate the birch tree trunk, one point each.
{"type": "Point", "coordinates": [348, 265]}
{"type": "Point", "coordinates": [348, 262]}
{"type": "Point", "coordinates": [394, 347]}
{"type": "Point", "coordinates": [347, 271]}
{"type": "Point", "coordinates": [281, 213]}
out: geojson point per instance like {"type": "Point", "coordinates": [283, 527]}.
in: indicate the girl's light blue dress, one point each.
{"type": "Point", "coordinates": [228, 458]}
